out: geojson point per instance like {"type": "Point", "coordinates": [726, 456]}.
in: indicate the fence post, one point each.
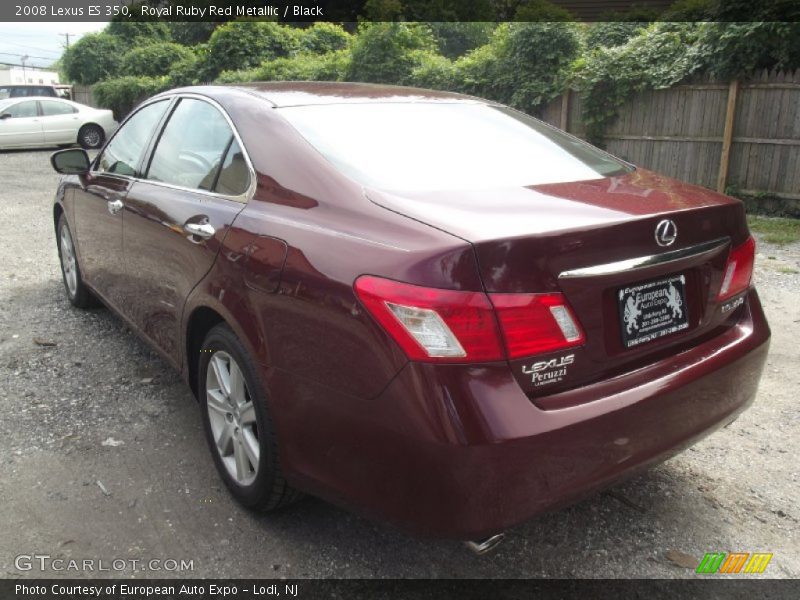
{"type": "Point", "coordinates": [727, 136]}
{"type": "Point", "coordinates": [564, 123]}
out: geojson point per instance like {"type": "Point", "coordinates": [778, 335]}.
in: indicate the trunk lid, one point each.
{"type": "Point", "coordinates": [588, 240]}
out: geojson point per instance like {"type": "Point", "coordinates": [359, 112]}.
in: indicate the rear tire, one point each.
{"type": "Point", "coordinates": [91, 136]}
{"type": "Point", "coordinates": [77, 292]}
{"type": "Point", "coordinates": [237, 424]}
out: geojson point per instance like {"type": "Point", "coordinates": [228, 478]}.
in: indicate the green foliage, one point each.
{"type": "Point", "coordinates": [331, 66]}
{"type": "Point", "coordinates": [190, 33]}
{"type": "Point", "coordinates": [185, 71]}
{"type": "Point", "coordinates": [123, 93]}
{"type": "Point", "coordinates": [541, 11]}
{"type": "Point", "coordinates": [689, 10]}
{"type": "Point", "coordinates": [608, 34]}
{"type": "Point", "coordinates": [732, 49]}
{"type": "Point", "coordinates": [324, 37]}
{"type": "Point", "coordinates": [246, 44]}
{"type": "Point", "coordinates": [775, 230]}
{"type": "Point", "coordinates": [664, 54]}
{"type": "Point", "coordinates": [455, 39]}
{"type": "Point", "coordinates": [93, 57]}
{"type": "Point", "coordinates": [433, 72]}
{"type": "Point", "coordinates": [524, 65]}
{"type": "Point", "coordinates": [656, 58]}
{"type": "Point", "coordinates": [132, 33]}
{"type": "Point", "coordinates": [388, 52]}
{"type": "Point", "coordinates": [153, 59]}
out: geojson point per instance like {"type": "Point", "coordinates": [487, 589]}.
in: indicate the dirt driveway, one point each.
{"type": "Point", "coordinates": [102, 456]}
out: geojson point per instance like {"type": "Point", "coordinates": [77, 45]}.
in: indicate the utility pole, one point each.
{"type": "Point", "coordinates": [22, 59]}
{"type": "Point", "coordinates": [66, 37]}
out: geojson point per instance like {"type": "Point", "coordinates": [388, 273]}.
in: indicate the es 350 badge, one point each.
{"type": "Point", "coordinates": [553, 370]}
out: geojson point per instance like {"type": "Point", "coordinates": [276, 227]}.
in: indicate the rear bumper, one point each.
{"type": "Point", "coordinates": [462, 452]}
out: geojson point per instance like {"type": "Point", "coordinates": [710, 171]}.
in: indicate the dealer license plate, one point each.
{"type": "Point", "coordinates": [649, 311]}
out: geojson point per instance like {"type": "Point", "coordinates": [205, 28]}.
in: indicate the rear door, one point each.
{"type": "Point", "coordinates": [97, 204]}
{"type": "Point", "coordinates": [177, 217]}
{"type": "Point", "coordinates": [60, 122]}
{"type": "Point", "coordinates": [22, 127]}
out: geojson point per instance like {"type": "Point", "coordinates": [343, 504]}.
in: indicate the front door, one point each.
{"type": "Point", "coordinates": [22, 127]}
{"type": "Point", "coordinates": [97, 204]}
{"type": "Point", "coordinates": [176, 219]}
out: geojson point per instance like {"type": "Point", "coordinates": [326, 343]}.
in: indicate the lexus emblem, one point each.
{"type": "Point", "coordinates": [666, 232]}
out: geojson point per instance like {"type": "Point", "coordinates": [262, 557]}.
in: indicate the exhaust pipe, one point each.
{"type": "Point", "coordinates": [485, 545]}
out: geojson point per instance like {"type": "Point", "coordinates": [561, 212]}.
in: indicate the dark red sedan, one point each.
{"type": "Point", "coordinates": [424, 306]}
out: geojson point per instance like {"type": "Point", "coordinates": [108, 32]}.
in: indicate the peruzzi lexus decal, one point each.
{"type": "Point", "coordinates": [549, 371]}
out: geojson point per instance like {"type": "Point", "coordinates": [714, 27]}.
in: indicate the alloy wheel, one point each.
{"type": "Point", "coordinates": [232, 417]}
{"type": "Point", "coordinates": [68, 262]}
{"type": "Point", "coordinates": [91, 137]}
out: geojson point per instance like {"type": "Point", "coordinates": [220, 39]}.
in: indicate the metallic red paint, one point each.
{"type": "Point", "coordinates": [453, 450]}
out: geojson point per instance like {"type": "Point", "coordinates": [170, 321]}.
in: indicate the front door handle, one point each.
{"type": "Point", "coordinates": [114, 206]}
{"type": "Point", "coordinates": [201, 230]}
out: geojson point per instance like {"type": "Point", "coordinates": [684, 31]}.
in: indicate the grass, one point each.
{"type": "Point", "coordinates": [775, 230]}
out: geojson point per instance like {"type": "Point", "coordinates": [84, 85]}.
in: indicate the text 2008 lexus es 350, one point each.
{"type": "Point", "coordinates": [424, 306]}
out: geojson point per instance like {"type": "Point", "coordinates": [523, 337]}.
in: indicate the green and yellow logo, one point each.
{"type": "Point", "coordinates": [734, 562]}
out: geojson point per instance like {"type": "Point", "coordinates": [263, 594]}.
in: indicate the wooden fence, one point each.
{"type": "Point", "coordinates": [83, 94]}
{"type": "Point", "coordinates": [744, 134]}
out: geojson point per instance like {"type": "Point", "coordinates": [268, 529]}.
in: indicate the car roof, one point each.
{"type": "Point", "coordinates": [304, 93]}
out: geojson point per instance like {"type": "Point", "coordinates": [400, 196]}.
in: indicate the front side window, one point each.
{"type": "Point", "coordinates": [22, 110]}
{"type": "Point", "coordinates": [51, 108]}
{"type": "Point", "coordinates": [192, 147]}
{"type": "Point", "coordinates": [126, 148]}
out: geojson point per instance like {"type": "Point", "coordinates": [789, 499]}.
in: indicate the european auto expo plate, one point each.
{"type": "Point", "coordinates": [649, 311]}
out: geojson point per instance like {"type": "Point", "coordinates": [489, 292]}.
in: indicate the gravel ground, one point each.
{"type": "Point", "coordinates": [102, 456]}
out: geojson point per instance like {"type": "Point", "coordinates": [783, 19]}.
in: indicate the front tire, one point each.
{"type": "Point", "coordinates": [77, 292]}
{"type": "Point", "coordinates": [238, 427]}
{"type": "Point", "coordinates": [91, 136]}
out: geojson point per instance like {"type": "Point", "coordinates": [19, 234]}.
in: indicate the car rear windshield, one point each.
{"type": "Point", "coordinates": [438, 146]}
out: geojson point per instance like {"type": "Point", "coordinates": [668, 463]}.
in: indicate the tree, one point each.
{"type": "Point", "coordinates": [192, 33]}
{"type": "Point", "coordinates": [524, 64]}
{"type": "Point", "coordinates": [323, 37]}
{"type": "Point", "coordinates": [132, 32]}
{"type": "Point", "coordinates": [246, 44]}
{"type": "Point", "coordinates": [388, 52]}
{"type": "Point", "coordinates": [153, 59]}
{"type": "Point", "coordinates": [455, 39]}
{"type": "Point", "coordinates": [92, 58]}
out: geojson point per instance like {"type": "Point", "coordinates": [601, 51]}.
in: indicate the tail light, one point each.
{"type": "Point", "coordinates": [738, 270]}
{"type": "Point", "coordinates": [536, 323]}
{"type": "Point", "coordinates": [435, 325]}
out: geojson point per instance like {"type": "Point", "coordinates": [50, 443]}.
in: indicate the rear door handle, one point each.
{"type": "Point", "coordinates": [201, 230]}
{"type": "Point", "coordinates": [114, 206]}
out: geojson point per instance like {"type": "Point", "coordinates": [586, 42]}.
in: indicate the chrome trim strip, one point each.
{"type": "Point", "coordinates": [642, 262]}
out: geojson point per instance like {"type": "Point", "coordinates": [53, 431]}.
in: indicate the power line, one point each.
{"type": "Point", "coordinates": [50, 58]}
{"type": "Point", "coordinates": [6, 43]}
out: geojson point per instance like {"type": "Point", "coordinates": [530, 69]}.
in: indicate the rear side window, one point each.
{"type": "Point", "coordinates": [22, 110]}
{"type": "Point", "coordinates": [234, 176]}
{"type": "Point", "coordinates": [197, 150]}
{"type": "Point", "coordinates": [126, 148]}
{"type": "Point", "coordinates": [51, 108]}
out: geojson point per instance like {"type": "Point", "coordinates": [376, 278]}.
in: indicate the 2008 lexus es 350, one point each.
{"type": "Point", "coordinates": [424, 306]}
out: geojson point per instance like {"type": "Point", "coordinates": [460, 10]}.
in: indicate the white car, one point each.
{"type": "Point", "coordinates": [46, 121]}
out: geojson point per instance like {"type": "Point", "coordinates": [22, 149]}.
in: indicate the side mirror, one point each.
{"type": "Point", "coordinates": [73, 161]}
{"type": "Point", "coordinates": [5, 116]}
